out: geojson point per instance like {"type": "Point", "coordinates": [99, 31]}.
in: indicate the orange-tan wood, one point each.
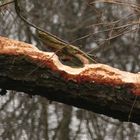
{"type": "Point", "coordinates": [96, 87]}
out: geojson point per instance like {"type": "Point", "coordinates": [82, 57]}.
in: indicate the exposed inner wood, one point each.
{"type": "Point", "coordinates": [96, 87]}
{"type": "Point", "coordinates": [93, 73]}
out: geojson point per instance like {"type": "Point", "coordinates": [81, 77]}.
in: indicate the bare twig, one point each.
{"type": "Point", "coordinates": [2, 5]}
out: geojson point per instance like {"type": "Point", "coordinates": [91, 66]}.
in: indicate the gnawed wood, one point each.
{"type": "Point", "coordinates": [96, 87]}
{"type": "Point", "coordinates": [92, 73]}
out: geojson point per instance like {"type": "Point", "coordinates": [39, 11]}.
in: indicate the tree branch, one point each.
{"type": "Point", "coordinates": [96, 87]}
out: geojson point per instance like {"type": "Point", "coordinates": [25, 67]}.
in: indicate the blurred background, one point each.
{"type": "Point", "coordinates": [108, 30]}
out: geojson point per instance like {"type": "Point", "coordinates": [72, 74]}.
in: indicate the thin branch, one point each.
{"type": "Point", "coordinates": [2, 5]}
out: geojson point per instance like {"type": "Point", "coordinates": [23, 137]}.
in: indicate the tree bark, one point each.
{"type": "Point", "coordinates": [95, 87]}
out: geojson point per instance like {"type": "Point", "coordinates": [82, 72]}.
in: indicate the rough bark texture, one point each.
{"type": "Point", "coordinates": [96, 87]}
